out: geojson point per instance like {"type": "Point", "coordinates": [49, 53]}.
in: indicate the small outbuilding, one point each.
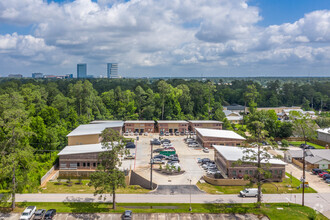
{"type": "Point", "coordinates": [209, 137]}
{"type": "Point", "coordinates": [314, 158]}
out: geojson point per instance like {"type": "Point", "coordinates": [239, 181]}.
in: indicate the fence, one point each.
{"type": "Point", "coordinates": [44, 178]}
{"type": "Point", "coordinates": [225, 182]}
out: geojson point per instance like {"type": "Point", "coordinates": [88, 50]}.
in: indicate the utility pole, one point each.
{"type": "Point", "coordinates": [151, 163]}
{"type": "Point", "coordinates": [190, 208]}
{"type": "Point", "coordinates": [304, 177]}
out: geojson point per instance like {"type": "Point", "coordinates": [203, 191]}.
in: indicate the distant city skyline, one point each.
{"type": "Point", "coordinates": [156, 38]}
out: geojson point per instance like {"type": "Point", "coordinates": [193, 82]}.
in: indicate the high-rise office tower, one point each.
{"type": "Point", "coordinates": [81, 70]}
{"type": "Point", "coordinates": [112, 70]}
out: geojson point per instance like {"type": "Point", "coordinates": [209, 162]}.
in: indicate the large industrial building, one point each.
{"type": "Point", "coordinates": [193, 124]}
{"type": "Point", "coordinates": [172, 126]}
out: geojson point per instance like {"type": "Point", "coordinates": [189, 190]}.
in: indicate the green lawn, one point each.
{"type": "Point", "coordinates": [298, 143]}
{"type": "Point", "coordinates": [52, 187]}
{"type": "Point", "coordinates": [267, 188]}
{"type": "Point", "coordinates": [291, 211]}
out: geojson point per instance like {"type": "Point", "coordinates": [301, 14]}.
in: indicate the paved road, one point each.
{"type": "Point", "coordinates": [145, 216]}
{"type": "Point", "coordinates": [177, 189]}
{"type": "Point", "coordinates": [320, 202]}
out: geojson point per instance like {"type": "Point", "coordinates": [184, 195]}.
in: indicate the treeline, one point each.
{"type": "Point", "coordinates": [55, 107]}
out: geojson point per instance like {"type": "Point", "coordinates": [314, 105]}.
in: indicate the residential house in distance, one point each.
{"type": "Point", "coordinates": [324, 135]}
{"type": "Point", "coordinates": [172, 126]}
{"type": "Point", "coordinates": [210, 137]}
{"type": "Point", "coordinates": [226, 156]}
{"type": "Point", "coordinates": [236, 108]}
{"type": "Point", "coordinates": [285, 115]}
{"type": "Point", "coordinates": [233, 117]}
{"type": "Point", "coordinates": [278, 110]}
{"type": "Point", "coordinates": [90, 133]}
{"type": "Point", "coordinates": [315, 158]}
{"type": "Point", "coordinates": [140, 126]}
{"type": "Point", "coordinates": [193, 124]}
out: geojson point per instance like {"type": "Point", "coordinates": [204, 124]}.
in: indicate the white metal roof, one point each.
{"type": "Point", "coordinates": [89, 129]}
{"type": "Point", "coordinates": [234, 118]}
{"type": "Point", "coordinates": [105, 121]}
{"type": "Point", "coordinates": [324, 130]}
{"type": "Point", "coordinates": [206, 132]}
{"type": "Point", "coordinates": [139, 122]}
{"type": "Point", "coordinates": [82, 149]}
{"type": "Point", "coordinates": [171, 122]}
{"type": "Point", "coordinates": [204, 121]}
{"type": "Point", "coordinates": [236, 153]}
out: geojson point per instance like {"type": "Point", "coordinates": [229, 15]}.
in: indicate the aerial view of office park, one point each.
{"type": "Point", "coordinates": [164, 110]}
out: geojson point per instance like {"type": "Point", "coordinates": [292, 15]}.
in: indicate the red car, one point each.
{"type": "Point", "coordinates": [321, 174]}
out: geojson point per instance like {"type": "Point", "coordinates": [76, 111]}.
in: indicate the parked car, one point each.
{"type": "Point", "coordinates": [326, 176]}
{"type": "Point", "coordinates": [318, 171]}
{"type": "Point", "coordinates": [327, 180]}
{"type": "Point", "coordinates": [167, 133]}
{"type": "Point", "coordinates": [177, 133]}
{"type": "Point", "coordinates": [126, 134]}
{"type": "Point", "coordinates": [130, 145]}
{"type": "Point", "coordinates": [166, 144]}
{"type": "Point", "coordinates": [28, 213]}
{"type": "Point", "coordinates": [175, 159]}
{"type": "Point", "coordinates": [205, 160]}
{"type": "Point", "coordinates": [145, 133]}
{"type": "Point", "coordinates": [39, 214]}
{"type": "Point", "coordinates": [249, 192]}
{"type": "Point", "coordinates": [129, 157]}
{"type": "Point", "coordinates": [127, 215]}
{"type": "Point", "coordinates": [158, 150]}
{"type": "Point", "coordinates": [314, 170]}
{"type": "Point", "coordinates": [155, 142]}
{"type": "Point", "coordinates": [50, 214]}
{"type": "Point", "coordinates": [165, 140]}
{"type": "Point", "coordinates": [161, 133]}
{"type": "Point", "coordinates": [206, 150]}
{"type": "Point", "coordinates": [310, 147]}
{"type": "Point", "coordinates": [161, 156]}
{"type": "Point", "coordinates": [323, 173]}
{"type": "Point", "coordinates": [158, 161]}
{"type": "Point", "coordinates": [193, 145]}
{"type": "Point", "coordinates": [213, 171]}
{"type": "Point", "coordinates": [136, 133]}
{"type": "Point", "coordinates": [182, 133]}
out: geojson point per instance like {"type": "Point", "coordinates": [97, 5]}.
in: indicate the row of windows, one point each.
{"type": "Point", "coordinates": [87, 164]}
{"type": "Point", "coordinates": [250, 172]}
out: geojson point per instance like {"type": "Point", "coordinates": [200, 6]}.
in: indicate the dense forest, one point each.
{"type": "Point", "coordinates": [36, 115]}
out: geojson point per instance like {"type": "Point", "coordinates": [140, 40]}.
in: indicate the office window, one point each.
{"type": "Point", "coordinates": [78, 164]}
{"type": "Point", "coordinates": [88, 164]}
{"type": "Point", "coordinates": [94, 164]}
{"type": "Point", "coordinates": [84, 164]}
{"type": "Point", "coordinates": [246, 172]}
{"type": "Point", "coordinates": [251, 172]}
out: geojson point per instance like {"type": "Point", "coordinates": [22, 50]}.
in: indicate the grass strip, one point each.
{"type": "Point", "coordinates": [272, 210]}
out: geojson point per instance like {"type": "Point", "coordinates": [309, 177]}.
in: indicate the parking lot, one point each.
{"type": "Point", "coordinates": [188, 161]}
{"type": "Point", "coordinates": [143, 216]}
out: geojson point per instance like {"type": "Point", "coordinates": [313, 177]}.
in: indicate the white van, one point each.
{"type": "Point", "coordinates": [249, 192]}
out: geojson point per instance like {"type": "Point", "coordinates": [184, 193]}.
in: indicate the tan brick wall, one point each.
{"type": "Point", "coordinates": [225, 182]}
{"type": "Point", "coordinates": [217, 126]}
{"type": "Point", "coordinates": [83, 139]}
{"type": "Point", "coordinates": [89, 160]}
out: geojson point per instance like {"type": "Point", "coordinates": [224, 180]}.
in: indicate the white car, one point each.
{"type": "Point", "coordinates": [193, 145]}
{"type": "Point", "coordinates": [213, 171]}
{"type": "Point", "coordinates": [206, 150]}
{"type": "Point", "coordinates": [253, 192]}
{"type": "Point", "coordinates": [145, 134]}
{"type": "Point", "coordinates": [28, 213]}
{"type": "Point", "coordinates": [166, 144]}
{"type": "Point", "coordinates": [126, 134]}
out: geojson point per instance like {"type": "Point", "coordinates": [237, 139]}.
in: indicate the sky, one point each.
{"type": "Point", "coordinates": [162, 38]}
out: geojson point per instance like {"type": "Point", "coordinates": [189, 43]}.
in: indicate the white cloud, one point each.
{"type": "Point", "coordinates": [160, 33]}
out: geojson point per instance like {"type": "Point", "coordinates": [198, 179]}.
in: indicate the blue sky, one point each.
{"type": "Point", "coordinates": [158, 38]}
